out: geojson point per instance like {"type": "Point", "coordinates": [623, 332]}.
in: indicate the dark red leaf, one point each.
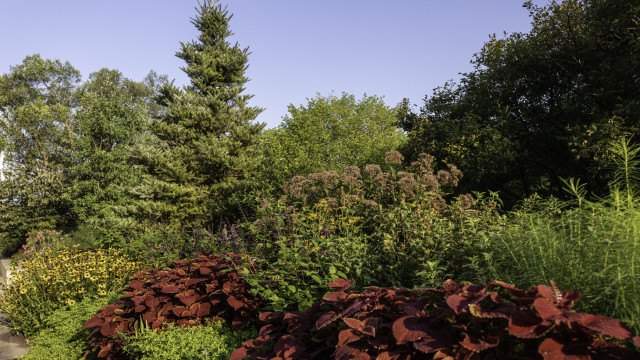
{"type": "Point", "coordinates": [341, 284]}
{"type": "Point", "coordinates": [93, 322]}
{"type": "Point", "coordinates": [188, 300]}
{"type": "Point", "coordinates": [170, 289]}
{"type": "Point", "coordinates": [193, 281]}
{"type": "Point", "coordinates": [498, 311]}
{"type": "Point", "coordinates": [136, 284]}
{"type": "Point", "coordinates": [450, 286]}
{"type": "Point", "coordinates": [108, 329]}
{"type": "Point", "coordinates": [288, 347]}
{"type": "Point", "coordinates": [235, 303]}
{"type": "Point", "coordinates": [351, 352]}
{"type": "Point", "coordinates": [476, 345]}
{"type": "Point", "coordinates": [607, 326]}
{"type": "Point", "coordinates": [348, 336]}
{"type": "Point", "coordinates": [335, 296]}
{"type": "Point", "coordinates": [105, 350]}
{"type": "Point", "coordinates": [409, 328]}
{"type": "Point", "coordinates": [326, 319]}
{"type": "Point", "coordinates": [354, 323]}
{"type": "Point", "coordinates": [204, 309]}
{"type": "Point", "coordinates": [551, 349]}
{"type": "Point", "coordinates": [239, 354]}
{"type": "Point", "coordinates": [386, 355]}
{"type": "Point", "coordinates": [527, 326]}
{"type": "Point", "coordinates": [547, 309]}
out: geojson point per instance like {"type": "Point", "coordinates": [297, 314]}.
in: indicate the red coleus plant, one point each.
{"type": "Point", "coordinates": [185, 294]}
{"type": "Point", "coordinates": [496, 321]}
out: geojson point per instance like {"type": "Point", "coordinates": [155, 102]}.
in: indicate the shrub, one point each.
{"type": "Point", "coordinates": [186, 294]}
{"type": "Point", "coordinates": [49, 280]}
{"type": "Point", "coordinates": [64, 338]}
{"type": "Point", "coordinates": [214, 340]}
{"type": "Point", "coordinates": [381, 225]}
{"type": "Point", "coordinates": [496, 321]}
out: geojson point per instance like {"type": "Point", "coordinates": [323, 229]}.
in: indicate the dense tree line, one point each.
{"type": "Point", "coordinates": [114, 154]}
{"type": "Point", "coordinates": [541, 105]}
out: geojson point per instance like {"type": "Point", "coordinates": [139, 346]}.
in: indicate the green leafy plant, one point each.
{"type": "Point", "coordinates": [213, 340]}
{"type": "Point", "coordinates": [64, 338]}
{"type": "Point", "coordinates": [384, 225]}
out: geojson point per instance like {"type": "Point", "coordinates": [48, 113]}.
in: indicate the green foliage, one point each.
{"type": "Point", "coordinates": [382, 228]}
{"type": "Point", "coordinates": [540, 105]}
{"type": "Point", "coordinates": [202, 134]}
{"type": "Point", "coordinates": [36, 102]}
{"type": "Point", "coordinates": [109, 118]}
{"type": "Point", "coordinates": [213, 341]}
{"type": "Point", "coordinates": [47, 279]}
{"type": "Point", "coordinates": [592, 246]}
{"type": "Point", "coordinates": [329, 133]}
{"type": "Point", "coordinates": [64, 338]}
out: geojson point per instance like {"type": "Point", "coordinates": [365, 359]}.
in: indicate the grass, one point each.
{"type": "Point", "coordinates": [593, 247]}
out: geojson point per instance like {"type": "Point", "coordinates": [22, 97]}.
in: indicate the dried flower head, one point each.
{"type": "Point", "coordinates": [407, 183]}
{"type": "Point", "coordinates": [393, 157]}
{"type": "Point", "coordinates": [351, 176]}
{"type": "Point", "coordinates": [372, 170]}
{"type": "Point", "coordinates": [466, 200]}
{"type": "Point", "coordinates": [424, 164]}
{"type": "Point", "coordinates": [430, 182]}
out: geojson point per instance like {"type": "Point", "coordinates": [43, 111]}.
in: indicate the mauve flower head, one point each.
{"type": "Point", "coordinates": [326, 231]}
{"type": "Point", "coordinates": [252, 260]}
{"type": "Point", "coordinates": [324, 252]}
{"type": "Point", "coordinates": [393, 157]}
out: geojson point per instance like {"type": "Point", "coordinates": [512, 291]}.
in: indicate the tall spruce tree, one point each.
{"type": "Point", "coordinates": [203, 132]}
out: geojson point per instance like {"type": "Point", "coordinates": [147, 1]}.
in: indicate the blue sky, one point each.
{"type": "Point", "coordinates": [395, 49]}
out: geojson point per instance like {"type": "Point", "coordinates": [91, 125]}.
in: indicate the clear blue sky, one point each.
{"type": "Point", "coordinates": [395, 49]}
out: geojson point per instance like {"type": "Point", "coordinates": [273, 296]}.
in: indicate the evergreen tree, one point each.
{"type": "Point", "coordinates": [203, 133]}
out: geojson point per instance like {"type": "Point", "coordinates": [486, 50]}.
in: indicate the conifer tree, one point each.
{"type": "Point", "coordinates": [203, 132]}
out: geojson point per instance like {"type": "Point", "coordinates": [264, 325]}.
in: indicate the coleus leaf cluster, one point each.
{"type": "Point", "coordinates": [185, 294]}
{"type": "Point", "coordinates": [496, 321]}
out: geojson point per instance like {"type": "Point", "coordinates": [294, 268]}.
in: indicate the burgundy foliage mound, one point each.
{"type": "Point", "coordinates": [496, 321]}
{"type": "Point", "coordinates": [185, 294]}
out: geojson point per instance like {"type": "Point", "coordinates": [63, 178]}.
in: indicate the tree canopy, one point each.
{"type": "Point", "coordinates": [329, 133]}
{"type": "Point", "coordinates": [203, 132]}
{"type": "Point", "coordinates": [540, 105]}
